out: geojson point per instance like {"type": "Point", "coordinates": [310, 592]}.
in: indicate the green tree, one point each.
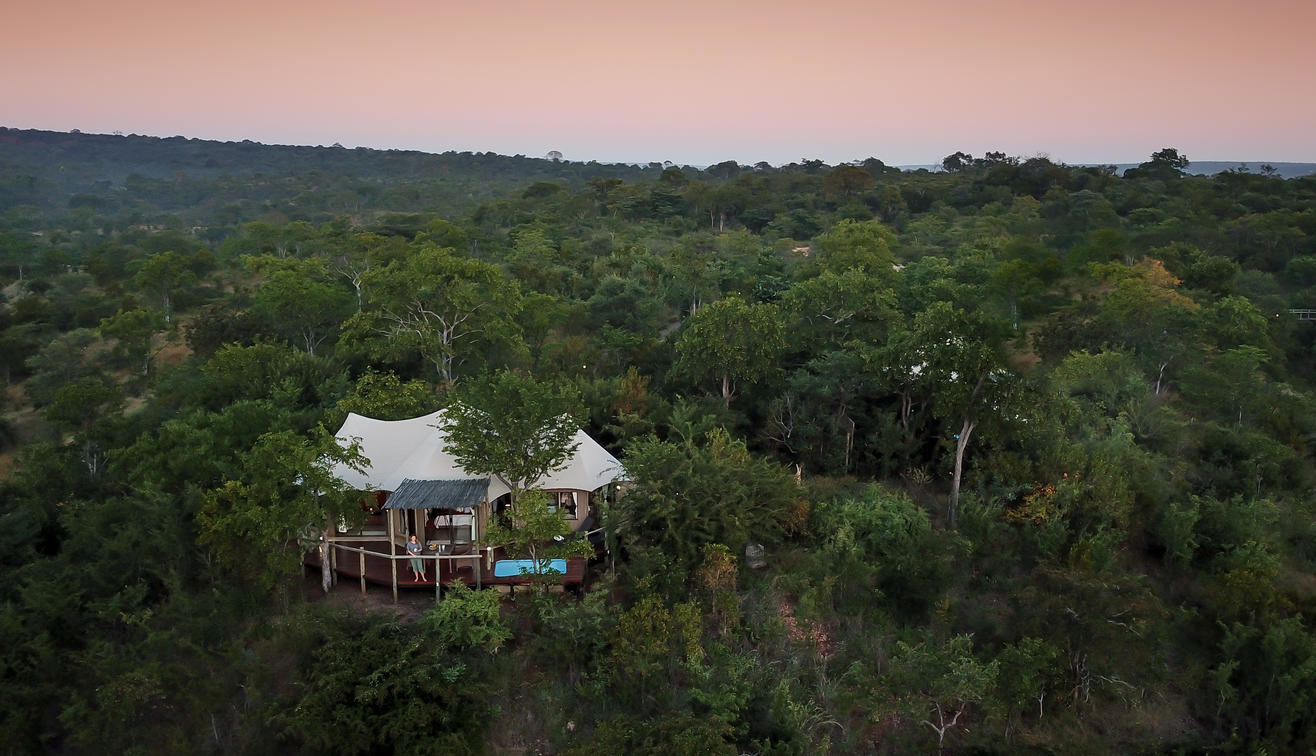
{"type": "Point", "coordinates": [80, 407]}
{"type": "Point", "coordinates": [883, 541]}
{"type": "Point", "coordinates": [731, 341]}
{"type": "Point", "coordinates": [652, 641]}
{"type": "Point", "coordinates": [689, 493]}
{"type": "Point", "coordinates": [831, 309]}
{"type": "Point", "coordinates": [301, 298]}
{"type": "Point", "coordinates": [860, 245]}
{"type": "Point", "coordinates": [261, 523]}
{"type": "Point", "coordinates": [510, 424]}
{"type": "Point", "coordinates": [1164, 164]}
{"type": "Point", "coordinates": [440, 305]}
{"type": "Point", "coordinates": [1027, 672]}
{"type": "Point", "coordinates": [846, 181]}
{"type": "Point", "coordinates": [941, 681]}
{"type": "Point", "coordinates": [133, 331]}
{"type": "Point", "coordinates": [1170, 156]}
{"type": "Point", "coordinates": [384, 396]}
{"type": "Point", "coordinates": [440, 685]}
{"type": "Point", "coordinates": [468, 620]}
{"type": "Point", "coordinates": [1265, 683]}
{"type": "Point", "coordinates": [966, 378]}
{"type": "Point", "coordinates": [163, 275]}
{"type": "Point", "coordinates": [1147, 313]}
{"type": "Point", "coordinates": [65, 358]}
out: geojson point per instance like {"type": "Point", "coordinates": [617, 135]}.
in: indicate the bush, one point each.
{"type": "Point", "coordinates": [882, 542]}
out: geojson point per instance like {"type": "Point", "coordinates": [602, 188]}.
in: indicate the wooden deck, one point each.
{"type": "Point", "coordinates": [471, 569]}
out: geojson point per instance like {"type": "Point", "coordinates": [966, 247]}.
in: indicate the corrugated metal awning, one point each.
{"type": "Point", "coordinates": [438, 494]}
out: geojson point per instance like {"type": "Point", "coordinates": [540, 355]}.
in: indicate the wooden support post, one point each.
{"type": "Point", "coordinates": [437, 562]}
{"type": "Point", "coordinates": [391, 526]}
{"type": "Point", "coordinates": [362, 554]}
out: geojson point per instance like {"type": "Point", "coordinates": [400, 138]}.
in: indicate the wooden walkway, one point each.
{"type": "Point", "coordinates": [470, 569]}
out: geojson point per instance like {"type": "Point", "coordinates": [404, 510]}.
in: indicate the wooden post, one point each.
{"type": "Point", "coordinates": [333, 557]}
{"type": "Point", "coordinates": [362, 554]}
{"type": "Point", "coordinates": [437, 562]}
{"type": "Point", "coordinates": [327, 556]}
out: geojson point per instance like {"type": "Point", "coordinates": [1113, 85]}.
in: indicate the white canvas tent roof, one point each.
{"type": "Point", "coordinates": [414, 449]}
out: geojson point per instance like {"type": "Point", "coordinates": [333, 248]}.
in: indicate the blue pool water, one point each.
{"type": "Point", "coordinates": [516, 567]}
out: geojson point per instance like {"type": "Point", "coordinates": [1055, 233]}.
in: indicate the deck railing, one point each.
{"type": "Point", "coordinates": [362, 553]}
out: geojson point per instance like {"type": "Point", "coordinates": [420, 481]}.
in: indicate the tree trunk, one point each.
{"type": "Point", "coordinates": [961, 444]}
{"type": "Point", "coordinates": [326, 572]}
{"type": "Point", "coordinates": [849, 441]}
{"type": "Point", "coordinates": [726, 389]}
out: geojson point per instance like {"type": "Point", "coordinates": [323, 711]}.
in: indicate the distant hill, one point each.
{"type": "Point", "coordinates": [1202, 168]}
{"type": "Point", "coordinates": [1212, 167]}
{"type": "Point", "coordinates": [210, 180]}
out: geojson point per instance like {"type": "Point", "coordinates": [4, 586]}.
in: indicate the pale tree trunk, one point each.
{"type": "Point", "coordinates": [1160, 374]}
{"type": "Point", "coordinates": [326, 572]}
{"type": "Point", "coordinates": [726, 389]}
{"type": "Point", "coordinates": [849, 441]}
{"type": "Point", "coordinates": [961, 444]}
{"type": "Point", "coordinates": [91, 457]}
{"type": "Point", "coordinates": [941, 725]}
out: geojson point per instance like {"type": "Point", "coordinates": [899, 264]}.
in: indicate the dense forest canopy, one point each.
{"type": "Point", "coordinates": [1028, 447]}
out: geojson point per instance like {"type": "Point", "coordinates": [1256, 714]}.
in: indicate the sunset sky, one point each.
{"type": "Point", "coordinates": [694, 82]}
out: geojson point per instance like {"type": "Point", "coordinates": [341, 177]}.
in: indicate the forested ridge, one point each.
{"type": "Point", "coordinates": [1027, 446]}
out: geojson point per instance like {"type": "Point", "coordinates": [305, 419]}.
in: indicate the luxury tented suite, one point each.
{"type": "Point", "coordinates": [420, 489]}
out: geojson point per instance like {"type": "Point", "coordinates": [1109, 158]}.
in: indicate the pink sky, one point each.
{"type": "Point", "coordinates": [687, 81]}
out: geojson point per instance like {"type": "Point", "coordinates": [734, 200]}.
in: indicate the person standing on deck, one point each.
{"type": "Point", "coordinates": [417, 564]}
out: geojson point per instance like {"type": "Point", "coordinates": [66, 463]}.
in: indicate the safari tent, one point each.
{"type": "Point", "coordinates": [421, 489]}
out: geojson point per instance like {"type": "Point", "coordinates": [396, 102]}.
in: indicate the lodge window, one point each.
{"type": "Point", "coordinates": [451, 525]}
{"type": "Point", "coordinates": [564, 502]}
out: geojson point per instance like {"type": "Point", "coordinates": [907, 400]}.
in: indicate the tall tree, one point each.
{"type": "Point", "coordinates": [163, 275]}
{"type": "Point", "coordinates": [512, 425]}
{"type": "Point", "coordinates": [302, 297]}
{"type": "Point", "coordinates": [861, 245]}
{"type": "Point", "coordinates": [966, 377]}
{"type": "Point", "coordinates": [261, 522]}
{"type": "Point", "coordinates": [438, 304]}
{"type": "Point", "coordinates": [133, 330]}
{"type": "Point", "coordinates": [692, 492]}
{"type": "Point", "coordinates": [731, 341]}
